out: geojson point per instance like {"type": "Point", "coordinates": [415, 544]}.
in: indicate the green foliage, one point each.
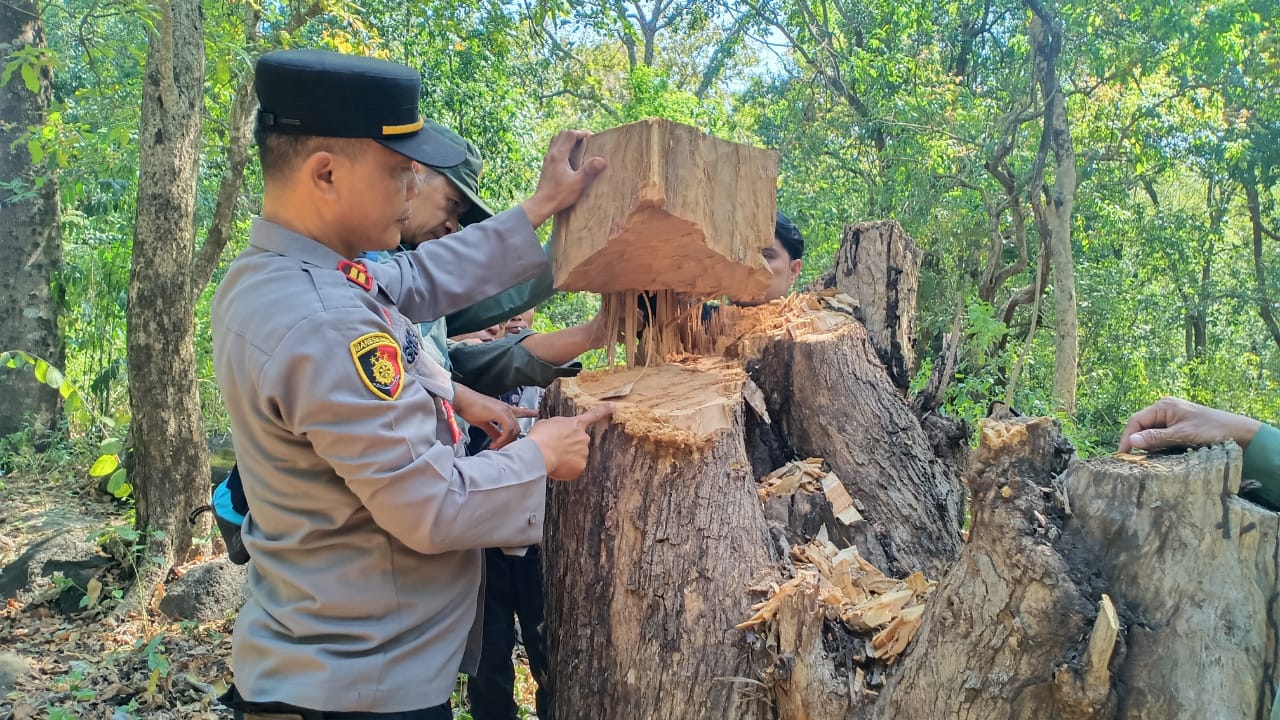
{"type": "Point", "coordinates": [878, 109]}
{"type": "Point", "coordinates": [110, 449]}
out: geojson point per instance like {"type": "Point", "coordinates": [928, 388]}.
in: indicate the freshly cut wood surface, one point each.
{"type": "Point", "coordinates": [677, 209]}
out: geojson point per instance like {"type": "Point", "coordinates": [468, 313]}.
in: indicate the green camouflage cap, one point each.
{"type": "Point", "coordinates": [465, 175]}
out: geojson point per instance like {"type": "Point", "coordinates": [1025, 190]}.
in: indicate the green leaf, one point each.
{"type": "Point", "coordinates": [110, 446]}
{"type": "Point", "coordinates": [104, 465]}
{"type": "Point", "coordinates": [124, 491]}
{"type": "Point", "coordinates": [36, 149]}
{"type": "Point", "coordinates": [53, 378]}
{"type": "Point", "coordinates": [29, 77]}
{"type": "Point", "coordinates": [116, 480]}
{"type": "Point", "coordinates": [42, 370]}
{"type": "Point", "coordinates": [66, 391]}
{"type": "Point", "coordinates": [158, 662]}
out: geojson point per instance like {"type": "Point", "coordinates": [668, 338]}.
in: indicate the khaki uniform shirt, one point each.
{"type": "Point", "coordinates": [366, 525]}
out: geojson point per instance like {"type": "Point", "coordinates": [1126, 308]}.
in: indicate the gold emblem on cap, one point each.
{"type": "Point", "coordinates": [402, 129]}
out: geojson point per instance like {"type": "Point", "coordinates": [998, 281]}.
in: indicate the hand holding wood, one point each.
{"type": "Point", "coordinates": [561, 184]}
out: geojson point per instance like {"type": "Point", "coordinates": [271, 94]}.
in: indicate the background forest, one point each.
{"type": "Point", "coordinates": [1093, 182]}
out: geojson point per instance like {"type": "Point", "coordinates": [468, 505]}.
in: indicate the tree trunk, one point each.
{"type": "Point", "coordinates": [652, 557]}
{"type": "Point", "coordinates": [653, 552]}
{"type": "Point", "coordinates": [878, 266]}
{"type": "Point", "coordinates": [1258, 230]}
{"type": "Point", "coordinates": [29, 233]}
{"type": "Point", "coordinates": [167, 435]}
{"type": "Point", "coordinates": [828, 396]}
{"type": "Point", "coordinates": [1047, 36]}
{"type": "Point", "coordinates": [1015, 630]}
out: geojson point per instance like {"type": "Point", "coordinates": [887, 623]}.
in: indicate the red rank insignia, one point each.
{"type": "Point", "coordinates": [356, 273]}
{"type": "Point", "coordinates": [378, 363]}
{"type": "Point", "coordinates": [452, 417]}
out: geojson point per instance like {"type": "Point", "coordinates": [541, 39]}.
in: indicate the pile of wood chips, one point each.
{"type": "Point", "coordinates": [847, 587]}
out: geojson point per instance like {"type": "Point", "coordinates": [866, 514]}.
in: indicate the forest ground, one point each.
{"type": "Point", "coordinates": [91, 664]}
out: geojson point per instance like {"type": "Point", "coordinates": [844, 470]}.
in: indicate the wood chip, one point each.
{"type": "Point", "coordinates": [841, 504]}
{"type": "Point", "coordinates": [890, 642]}
{"type": "Point", "coordinates": [755, 399]}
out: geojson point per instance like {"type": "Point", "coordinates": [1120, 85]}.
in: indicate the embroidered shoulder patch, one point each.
{"type": "Point", "coordinates": [378, 363]}
{"type": "Point", "coordinates": [357, 274]}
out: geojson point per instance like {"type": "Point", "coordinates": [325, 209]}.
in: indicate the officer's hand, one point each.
{"type": "Point", "coordinates": [564, 441]}
{"type": "Point", "coordinates": [491, 415]}
{"type": "Point", "coordinates": [560, 185]}
{"type": "Point", "coordinates": [1171, 421]}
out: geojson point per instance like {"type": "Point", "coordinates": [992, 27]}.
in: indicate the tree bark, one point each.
{"type": "Point", "coordinates": [1014, 630]}
{"type": "Point", "coordinates": [167, 435]}
{"type": "Point", "coordinates": [1047, 36]}
{"type": "Point", "coordinates": [828, 396]}
{"type": "Point", "coordinates": [652, 553]}
{"type": "Point", "coordinates": [652, 557]}
{"type": "Point", "coordinates": [1258, 230]}
{"type": "Point", "coordinates": [29, 234]}
{"type": "Point", "coordinates": [878, 265]}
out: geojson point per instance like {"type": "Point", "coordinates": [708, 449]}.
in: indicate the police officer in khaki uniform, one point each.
{"type": "Point", "coordinates": [366, 522]}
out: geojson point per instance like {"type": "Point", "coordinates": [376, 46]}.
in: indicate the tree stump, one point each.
{"type": "Point", "coordinates": [1137, 588]}
{"type": "Point", "coordinates": [769, 532]}
{"type": "Point", "coordinates": [676, 210]}
{"type": "Point", "coordinates": [1119, 587]}
{"type": "Point", "coordinates": [878, 266]}
{"type": "Point", "coordinates": [663, 546]}
{"type": "Point", "coordinates": [650, 554]}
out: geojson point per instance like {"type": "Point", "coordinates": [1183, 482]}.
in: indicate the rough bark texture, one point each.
{"type": "Point", "coordinates": [170, 458]}
{"type": "Point", "coordinates": [652, 555]}
{"type": "Point", "coordinates": [1010, 609]}
{"type": "Point", "coordinates": [878, 265]}
{"type": "Point", "coordinates": [648, 560]}
{"type": "Point", "coordinates": [1014, 632]}
{"type": "Point", "coordinates": [1193, 568]}
{"type": "Point", "coordinates": [29, 233]}
{"type": "Point", "coordinates": [1054, 217]}
{"type": "Point", "coordinates": [828, 396]}
{"type": "Point", "coordinates": [659, 219]}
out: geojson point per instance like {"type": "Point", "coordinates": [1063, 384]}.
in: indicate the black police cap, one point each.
{"type": "Point", "coordinates": [328, 94]}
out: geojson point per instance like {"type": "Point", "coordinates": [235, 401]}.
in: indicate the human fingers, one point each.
{"type": "Point", "coordinates": [596, 414]}
{"type": "Point", "coordinates": [503, 430]}
{"type": "Point", "coordinates": [1161, 414]}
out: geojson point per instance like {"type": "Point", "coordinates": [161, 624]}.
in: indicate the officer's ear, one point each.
{"type": "Point", "coordinates": [318, 171]}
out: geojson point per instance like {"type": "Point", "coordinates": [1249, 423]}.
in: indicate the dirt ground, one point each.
{"type": "Point", "coordinates": [92, 664]}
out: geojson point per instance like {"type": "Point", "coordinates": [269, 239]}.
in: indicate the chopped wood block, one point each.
{"type": "Point", "coordinates": [676, 209]}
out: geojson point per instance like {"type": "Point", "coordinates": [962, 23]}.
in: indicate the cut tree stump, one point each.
{"type": "Point", "coordinates": [767, 532]}
{"type": "Point", "coordinates": [878, 266]}
{"type": "Point", "coordinates": [1025, 624]}
{"type": "Point", "coordinates": [662, 547]}
{"type": "Point", "coordinates": [676, 210]}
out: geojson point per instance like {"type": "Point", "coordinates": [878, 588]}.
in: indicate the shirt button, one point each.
{"type": "Point", "coordinates": [533, 519]}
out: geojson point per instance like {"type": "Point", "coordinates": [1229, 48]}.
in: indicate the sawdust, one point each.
{"type": "Point", "coordinates": [685, 404]}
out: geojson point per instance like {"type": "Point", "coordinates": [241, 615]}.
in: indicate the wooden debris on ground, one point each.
{"type": "Point", "coordinates": [845, 585]}
{"type": "Point", "coordinates": [855, 592]}
{"type": "Point", "coordinates": [809, 476]}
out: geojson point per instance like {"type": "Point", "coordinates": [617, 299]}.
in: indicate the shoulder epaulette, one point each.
{"type": "Point", "coordinates": [356, 272]}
